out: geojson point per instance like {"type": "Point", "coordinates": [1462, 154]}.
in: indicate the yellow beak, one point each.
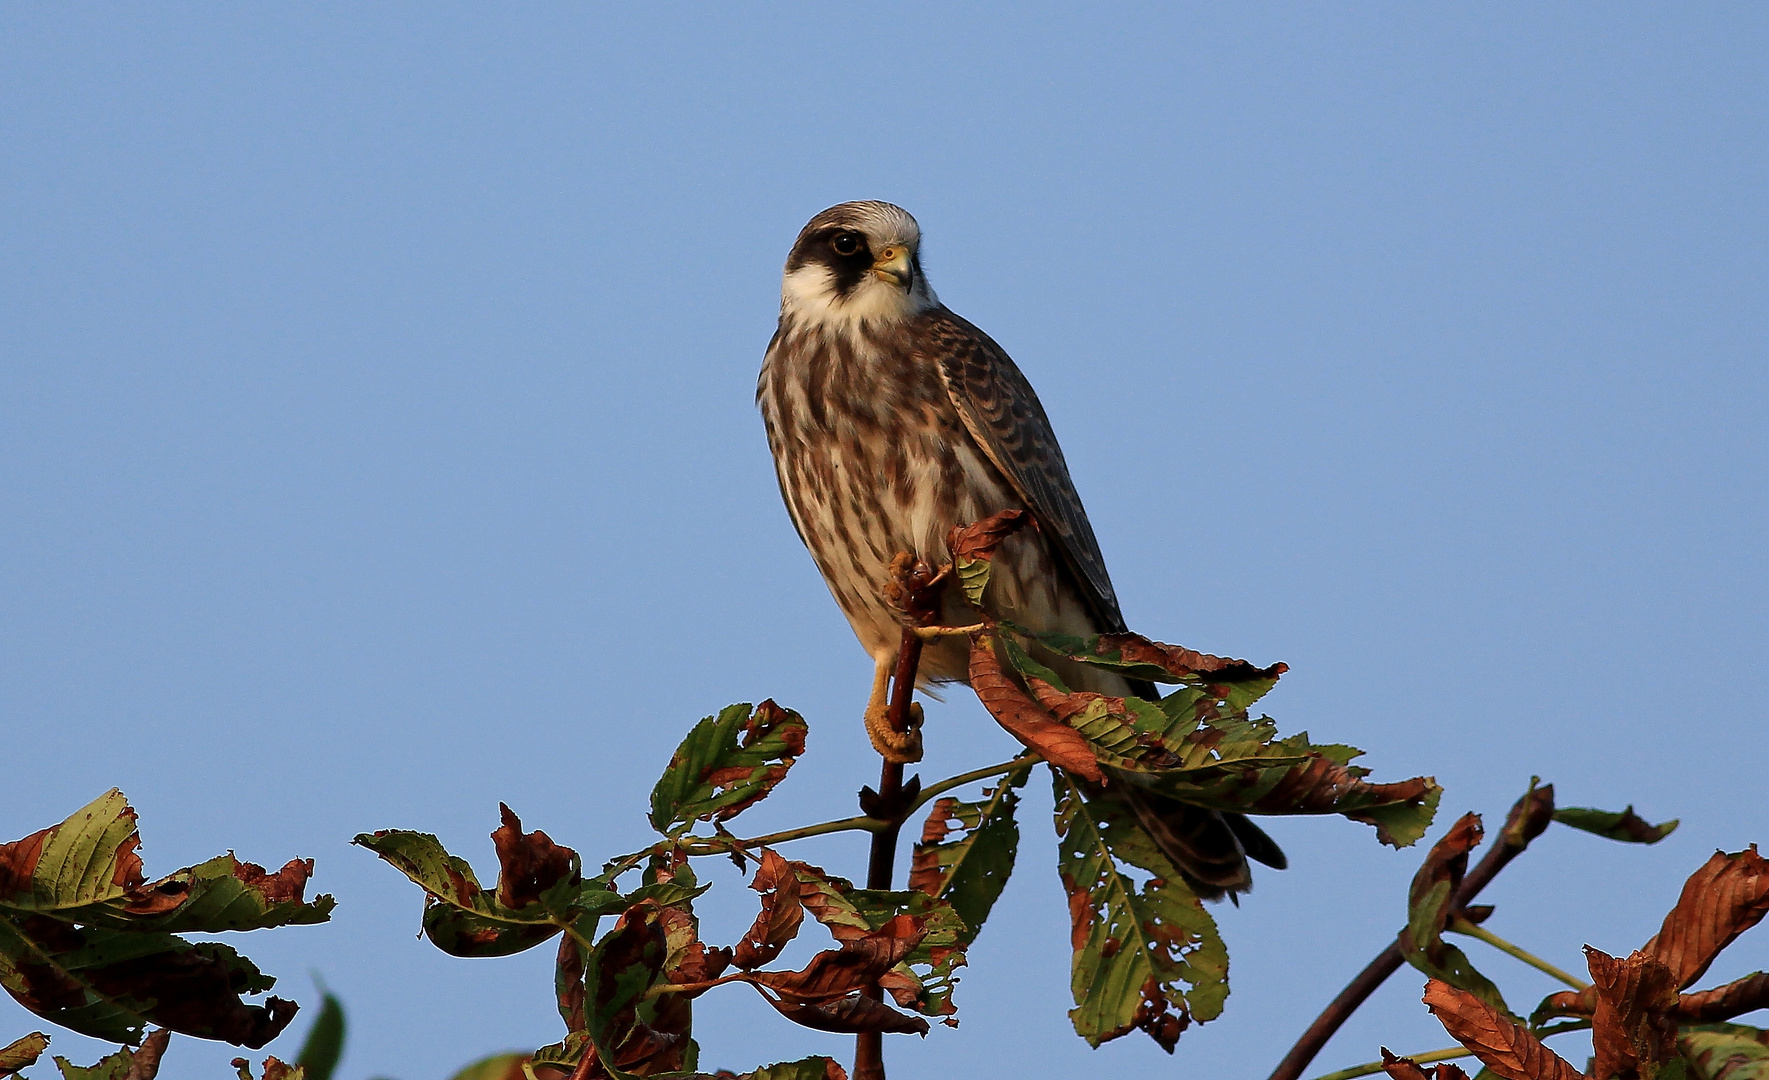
{"type": "Point", "coordinates": [893, 265]}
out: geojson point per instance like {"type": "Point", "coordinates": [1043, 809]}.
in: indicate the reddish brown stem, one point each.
{"type": "Point", "coordinates": [1528, 818]}
{"type": "Point", "coordinates": [880, 867]}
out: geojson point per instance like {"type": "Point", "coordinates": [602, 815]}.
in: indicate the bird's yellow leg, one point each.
{"type": "Point", "coordinates": [901, 747]}
{"type": "Point", "coordinates": [929, 633]}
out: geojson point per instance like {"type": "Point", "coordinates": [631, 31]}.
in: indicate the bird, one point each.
{"type": "Point", "coordinates": [891, 420]}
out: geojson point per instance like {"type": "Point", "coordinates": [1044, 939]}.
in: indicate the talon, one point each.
{"type": "Point", "coordinates": [898, 747]}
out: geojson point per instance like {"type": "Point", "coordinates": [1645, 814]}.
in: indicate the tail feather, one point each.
{"type": "Point", "coordinates": [1199, 841]}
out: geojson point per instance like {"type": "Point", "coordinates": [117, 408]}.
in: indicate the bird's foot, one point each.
{"type": "Point", "coordinates": [929, 633]}
{"type": "Point", "coordinates": [898, 747]}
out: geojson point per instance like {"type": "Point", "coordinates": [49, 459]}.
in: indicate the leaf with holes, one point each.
{"type": "Point", "coordinates": [727, 764]}
{"type": "Point", "coordinates": [967, 850]}
{"type": "Point", "coordinates": [86, 871]}
{"type": "Point", "coordinates": [1146, 958]}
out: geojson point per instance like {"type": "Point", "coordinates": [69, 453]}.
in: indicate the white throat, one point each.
{"type": "Point", "coordinates": [809, 293]}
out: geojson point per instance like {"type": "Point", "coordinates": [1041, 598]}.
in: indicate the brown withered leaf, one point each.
{"type": "Point", "coordinates": [979, 539]}
{"type": "Point", "coordinates": [529, 863]}
{"type": "Point", "coordinates": [1407, 1069]}
{"type": "Point", "coordinates": [22, 1053]}
{"type": "Point", "coordinates": [1181, 662]}
{"type": "Point", "coordinates": [1723, 899]}
{"type": "Point", "coordinates": [273, 1069]}
{"type": "Point", "coordinates": [1529, 817]}
{"type": "Point", "coordinates": [855, 964]}
{"type": "Point", "coordinates": [568, 984]}
{"type": "Point", "coordinates": [1507, 1048]}
{"type": "Point", "coordinates": [850, 1016]}
{"type": "Point", "coordinates": [626, 963]}
{"type": "Point", "coordinates": [780, 918]}
{"type": "Point", "coordinates": [1022, 718]}
{"type": "Point", "coordinates": [1632, 1030]}
{"type": "Point", "coordinates": [1736, 998]}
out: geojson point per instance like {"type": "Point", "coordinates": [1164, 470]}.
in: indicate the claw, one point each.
{"type": "Point", "coordinates": [898, 747]}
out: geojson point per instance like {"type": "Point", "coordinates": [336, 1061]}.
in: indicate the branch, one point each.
{"type": "Point", "coordinates": [1527, 819]}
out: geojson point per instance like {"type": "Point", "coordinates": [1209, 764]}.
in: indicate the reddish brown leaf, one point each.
{"type": "Point", "coordinates": [1407, 1069]}
{"type": "Point", "coordinates": [850, 1016]}
{"type": "Point", "coordinates": [1631, 1029]}
{"type": "Point", "coordinates": [979, 539]}
{"type": "Point", "coordinates": [1060, 744]}
{"type": "Point", "coordinates": [1723, 899]}
{"type": "Point", "coordinates": [925, 872]}
{"type": "Point", "coordinates": [780, 918]}
{"type": "Point", "coordinates": [1725, 1002]}
{"type": "Point", "coordinates": [857, 963]}
{"type": "Point", "coordinates": [1530, 816]}
{"type": "Point", "coordinates": [1182, 662]}
{"type": "Point", "coordinates": [530, 863]}
{"type": "Point", "coordinates": [1508, 1049]}
{"type": "Point", "coordinates": [1575, 1003]}
{"type": "Point", "coordinates": [568, 984]}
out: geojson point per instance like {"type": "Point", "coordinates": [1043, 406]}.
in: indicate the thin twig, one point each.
{"type": "Point", "coordinates": [1463, 926]}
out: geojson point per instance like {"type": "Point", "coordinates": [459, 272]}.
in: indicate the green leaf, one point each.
{"type": "Point", "coordinates": [110, 984]}
{"type": "Point", "coordinates": [1147, 958]}
{"type": "Point", "coordinates": [1401, 812]}
{"type": "Point", "coordinates": [1725, 1051]}
{"type": "Point", "coordinates": [110, 1067]}
{"type": "Point", "coordinates": [811, 1068]}
{"type": "Point", "coordinates": [1627, 827]}
{"type": "Point", "coordinates": [86, 870]}
{"type": "Point", "coordinates": [462, 918]}
{"type": "Point", "coordinates": [22, 1053]}
{"type": "Point", "coordinates": [324, 1046]}
{"type": "Point", "coordinates": [1237, 682]}
{"type": "Point", "coordinates": [727, 764]}
{"type": "Point", "coordinates": [1429, 912]}
{"type": "Point", "coordinates": [967, 849]}
{"type": "Point", "coordinates": [495, 1067]}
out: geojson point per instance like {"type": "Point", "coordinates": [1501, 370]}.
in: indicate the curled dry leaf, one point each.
{"type": "Point", "coordinates": [1407, 1069]}
{"type": "Point", "coordinates": [974, 545]}
{"type": "Point", "coordinates": [1736, 998]}
{"type": "Point", "coordinates": [850, 1016]}
{"type": "Point", "coordinates": [1723, 899]}
{"type": "Point", "coordinates": [1505, 1047]}
{"type": "Point", "coordinates": [1633, 1031]}
{"type": "Point", "coordinates": [1431, 905]}
{"type": "Point", "coordinates": [856, 963]}
{"type": "Point", "coordinates": [529, 864]}
{"type": "Point", "coordinates": [781, 915]}
{"type": "Point", "coordinates": [1022, 718]}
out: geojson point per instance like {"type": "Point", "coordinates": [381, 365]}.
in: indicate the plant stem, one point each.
{"type": "Point", "coordinates": [1463, 926]}
{"type": "Point", "coordinates": [869, 1045]}
{"type": "Point", "coordinates": [934, 791]}
{"type": "Point", "coordinates": [1371, 1068]}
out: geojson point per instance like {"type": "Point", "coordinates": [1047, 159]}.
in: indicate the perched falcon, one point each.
{"type": "Point", "coordinates": [891, 420]}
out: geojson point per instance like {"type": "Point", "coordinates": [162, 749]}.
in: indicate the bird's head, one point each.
{"type": "Point", "coordinates": [859, 260]}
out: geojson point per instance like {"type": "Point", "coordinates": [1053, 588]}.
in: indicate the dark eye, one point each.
{"type": "Point", "coordinates": [846, 243]}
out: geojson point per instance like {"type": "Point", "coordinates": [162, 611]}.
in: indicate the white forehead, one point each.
{"type": "Point", "coordinates": [882, 222]}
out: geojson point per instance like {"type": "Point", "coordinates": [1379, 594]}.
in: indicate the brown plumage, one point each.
{"type": "Point", "coordinates": [891, 420]}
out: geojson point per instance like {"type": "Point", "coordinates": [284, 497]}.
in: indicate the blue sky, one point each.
{"type": "Point", "coordinates": [377, 443]}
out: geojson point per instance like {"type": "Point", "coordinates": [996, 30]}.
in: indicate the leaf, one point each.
{"type": "Point", "coordinates": [1632, 1032]}
{"type": "Point", "coordinates": [924, 979]}
{"type": "Point", "coordinates": [125, 1064]}
{"type": "Point", "coordinates": [86, 871]}
{"type": "Point", "coordinates": [1626, 826]}
{"type": "Point", "coordinates": [1507, 1048]}
{"type": "Point", "coordinates": [973, 547]}
{"type": "Point", "coordinates": [1133, 948]}
{"type": "Point", "coordinates": [970, 870]}
{"type": "Point", "coordinates": [727, 764]}
{"type": "Point", "coordinates": [1022, 718]}
{"type": "Point", "coordinates": [1736, 998]}
{"type": "Point", "coordinates": [811, 1068]}
{"type": "Point", "coordinates": [1400, 812]}
{"type": "Point", "coordinates": [1723, 899]}
{"type": "Point", "coordinates": [1408, 1069]}
{"type": "Point", "coordinates": [110, 984]}
{"type": "Point", "coordinates": [22, 1053]}
{"type": "Point", "coordinates": [856, 963]}
{"type": "Point", "coordinates": [850, 1016]}
{"type": "Point", "coordinates": [1726, 1051]}
{"type": "Point", "coordinates": [495, 1067]}
{"type": "Point", "coordinates": [324, 1046]}
{"type": "Point", "coordinates": [273, 1070]}
{"type": "Point", "coordinates": [540, 889]}
{"type": "Point", "coordinates": [624, 965]}
{"type": "Point", "coordinates": [1431, 907]}
{"type": "Point", "coordinates": [781, 915]}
